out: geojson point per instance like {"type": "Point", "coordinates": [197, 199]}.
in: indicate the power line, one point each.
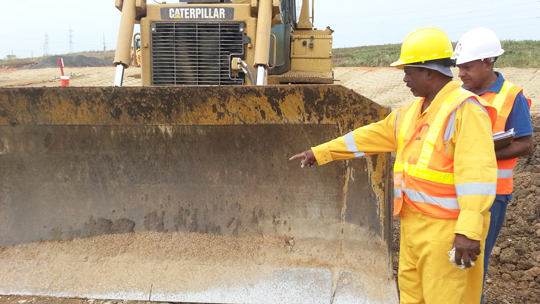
{"type": "Point", "coordinates": [439, 18]}
{"type": "Point", "coordinates": [46, 46]}
{"type": "Point", "coordinates": [70, 40]}
{"type": "Point", "coordinates": [417, 12]}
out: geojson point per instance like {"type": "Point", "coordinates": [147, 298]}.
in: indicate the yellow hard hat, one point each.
{"type": "Point", "coordinates": [423, 45]}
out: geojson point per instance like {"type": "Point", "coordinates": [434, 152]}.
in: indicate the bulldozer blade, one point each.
{"type": "Point", "coordinates": [186, 194]}
{"type": "Point", "coordinates": [363, 289]}
{"type": "Point", "coordinates": [159, 281]}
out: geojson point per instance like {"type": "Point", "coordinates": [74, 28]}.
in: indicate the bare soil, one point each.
{"type": "Point", "coordinates": [385, 85]}
{"type": "Point", "coordinates": [514, 272]}
{"type": "Point", "coordinates": [514, 268]}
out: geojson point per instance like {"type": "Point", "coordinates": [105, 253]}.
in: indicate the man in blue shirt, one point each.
{"type": "Point", "coordinates": [476, 53]}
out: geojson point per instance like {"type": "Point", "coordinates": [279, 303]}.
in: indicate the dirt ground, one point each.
{"type": "Point", "coordinates": [385, 85]}
{"type": "Point", "coordinates": [514, 269]}
{"type": "Point", "coordinates": [514, 274]}
{"type": "Point", "coordinates": [81, 77]}
{"type": "Point", "coordinates": [382, 85]}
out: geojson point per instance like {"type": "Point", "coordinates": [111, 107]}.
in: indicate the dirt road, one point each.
{"type": "Point", "coordinates": [385, 85]}
{"type": "Point", "coordinates": [382, 85]}
{"type": "Point", "coordinates": [80, 77]}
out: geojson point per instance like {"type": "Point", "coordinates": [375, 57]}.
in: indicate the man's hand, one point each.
{"type": "Point", "coordinates": [519, 147]}
{"type": "Point", "coordinates": [308, 159]}
{"type": "Point", "coordinates": [466, 249]}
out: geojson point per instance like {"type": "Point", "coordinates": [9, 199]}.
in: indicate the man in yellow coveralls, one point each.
{"type": "Point", "coordinates": [445, 174]}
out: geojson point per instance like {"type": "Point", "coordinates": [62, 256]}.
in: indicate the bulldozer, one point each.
{"type": "Point", "coordinates": [180, 190]}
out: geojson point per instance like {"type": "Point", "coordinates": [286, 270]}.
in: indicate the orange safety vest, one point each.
{"type": "Point", "coordinates": [423, 171]}
{"type": "Point", "coordinates": [503, 103]}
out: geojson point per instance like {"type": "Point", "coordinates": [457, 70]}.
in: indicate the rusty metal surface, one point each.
{"type": "Point", "coordinates": [309, 104]}
{"type": "Point", "coordinates": [107, 141]}
{"type": "Point", "coordinates": [89, 162]}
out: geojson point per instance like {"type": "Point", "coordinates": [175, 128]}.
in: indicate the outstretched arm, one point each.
{"type": "Point", "coordinates": [375, 138]}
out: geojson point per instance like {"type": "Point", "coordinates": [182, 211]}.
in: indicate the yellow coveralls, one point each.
{"type": "Point", "coordinates": [425, 272]}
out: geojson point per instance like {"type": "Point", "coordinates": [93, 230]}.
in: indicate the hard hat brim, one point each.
{"type": "Point", "coordinates": [433, 66]}
{"type": "Point", "coordinates": [463, 59]}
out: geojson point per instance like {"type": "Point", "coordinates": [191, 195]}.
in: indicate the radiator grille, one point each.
{"type": "Point", "coordinates": [195, 53]}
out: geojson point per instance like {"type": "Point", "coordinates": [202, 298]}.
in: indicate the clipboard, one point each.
{"type": "Point", "coordinates": [503, 139]}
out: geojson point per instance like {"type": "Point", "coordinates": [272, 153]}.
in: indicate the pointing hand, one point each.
{"type": "Point", "coordinates": [308, 159]}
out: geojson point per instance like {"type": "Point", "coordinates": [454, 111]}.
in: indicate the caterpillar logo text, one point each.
{"type": "Point", "coordinates": [197, 13]}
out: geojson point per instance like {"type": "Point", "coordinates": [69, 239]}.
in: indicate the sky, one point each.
{"type": "Point", "coordinates": [34, 28]}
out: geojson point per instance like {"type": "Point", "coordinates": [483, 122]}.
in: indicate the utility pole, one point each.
{"type": "Point", "coordinates": [104, 46]}
{"type": "Point", "coordinates": [46, 45]}
{"type": "Point", "coordinates": [70, 40]}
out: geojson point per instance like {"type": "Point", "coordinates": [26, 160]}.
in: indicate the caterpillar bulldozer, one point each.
{"type": "Point", "coordinates": [180, 190]}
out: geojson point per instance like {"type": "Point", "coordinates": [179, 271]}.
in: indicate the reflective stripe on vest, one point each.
{"type": "Point", "coordinates": [448, 203]}
{"type": "Point", "coordinates": [417, 196]}
{"type": "Point", "coordinates": [501, 97]}
{"type": "Point", "coordinates": [406, 122]}
{"type": "Point", "coordinates": [397, 192]}
{"type": "Point", "coordinates": [505, 173]}
{"type": "Point", "coordinates": [425, 173]}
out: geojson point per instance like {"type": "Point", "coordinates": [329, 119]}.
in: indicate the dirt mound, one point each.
{"type": "Point", "coordinates": [514, 266]}
{"type": "Point", "coordinates": [72, 61]}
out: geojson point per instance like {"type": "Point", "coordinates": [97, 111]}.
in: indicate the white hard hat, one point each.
{"type": "Point", "coordinates": [478, 44]}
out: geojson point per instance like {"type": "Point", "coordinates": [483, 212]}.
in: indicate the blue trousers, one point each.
{"type": "Point", "coordinates": [498, 213]}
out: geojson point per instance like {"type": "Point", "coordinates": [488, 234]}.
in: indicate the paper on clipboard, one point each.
{"type": "Point", "coordinates": [503, 139]}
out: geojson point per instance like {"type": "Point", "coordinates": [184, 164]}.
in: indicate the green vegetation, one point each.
{"type": "Point", "coordinates": [519, 54]}
{"type": "Point", "coordinates": [366, 56]}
